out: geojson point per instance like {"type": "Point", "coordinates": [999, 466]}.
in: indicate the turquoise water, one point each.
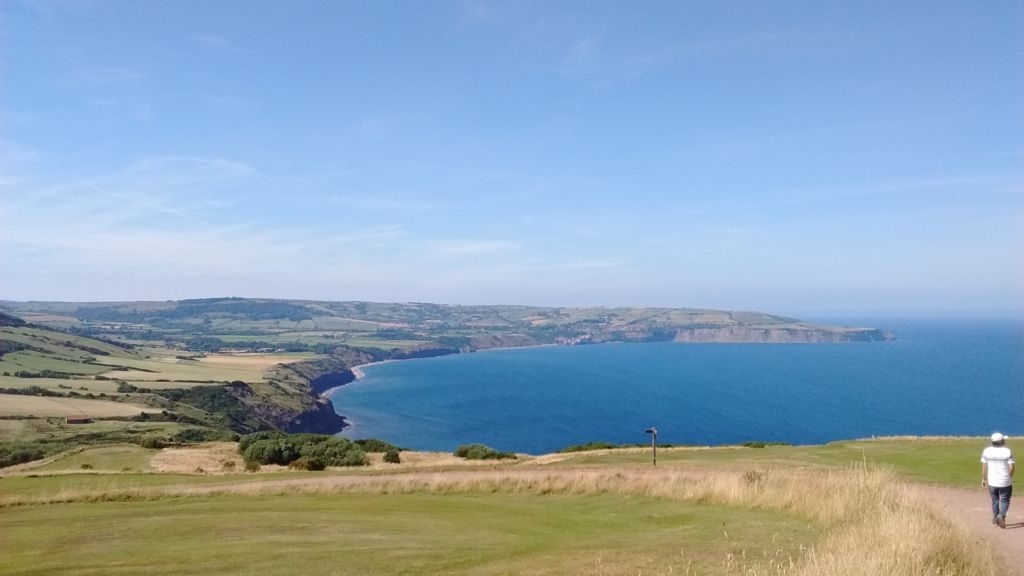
{"type": "Point", "coordinates": [938, 378]}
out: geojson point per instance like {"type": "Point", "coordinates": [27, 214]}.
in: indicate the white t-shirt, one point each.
{"type": "Point", "coordinates": [999, 459]}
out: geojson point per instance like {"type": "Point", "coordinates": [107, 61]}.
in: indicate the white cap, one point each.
{"type": "Point", "coordinates": [997, 437]}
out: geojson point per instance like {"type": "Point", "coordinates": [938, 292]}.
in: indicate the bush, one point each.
{"type": "Point", "coordinates": [307, 463]}
{"type": "Point", "coordinates": [272, 451]}
{"type": "Point", "coordinates": [392, 457]}
{"type": "Point", "coordinates": [763, 444]}
{"type": "Point", "coordinates": [252, 466]}
{"type": "Point", "coordinates": [589, 446]}
{"type": "Point", "coordinates": [194, 435]}
{"type": "Point", "coordinates": [153, 443]}
{"type": "Point", "coordinates": [12, 455]}
{"type": "Point", "coordinates": [336, 452]}
{"type": "Point", "coordinates": [274, 447]}
{"type": "Point", "coordinates": [353, 458]}
{"type": "Point", "coordinates": [374, 445]}
{"type": "Point", "coordinates": [245, 441]}
{"type": "Point", "coordinates": [481, 452]}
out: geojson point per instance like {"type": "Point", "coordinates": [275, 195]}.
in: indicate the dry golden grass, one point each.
{"type": "Point", "coordinates": [217, 367]}
{"type": "Point", "coordinates": [420, 460]}
{"type": "Point", "coordinates": [246, 360]}
{"type": "Point", "coordinates": [209, 458]}
{"type": "Point", "coordinates": [36, 318]}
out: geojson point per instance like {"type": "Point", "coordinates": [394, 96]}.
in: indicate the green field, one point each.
{"type": "Point", "coordinates": [36, 362]}
{"type": "Point", "coordinates": [396, 534]}
{"type": "Point", "coordinates": [950, 461]}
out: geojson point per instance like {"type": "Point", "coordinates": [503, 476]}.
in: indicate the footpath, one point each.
{"type": "Point", "coordinates": [973, 510]}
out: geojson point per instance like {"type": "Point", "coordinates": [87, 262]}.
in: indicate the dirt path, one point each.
{"type": "Point", "coordinates": [973, 510]}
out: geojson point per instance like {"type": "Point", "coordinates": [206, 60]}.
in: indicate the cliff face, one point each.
{"type": "Point", "coordinates": [313, 378]}
{"type": "Point", "coordinates": [320, 418]}
{"type": "Point", "coordinates": [787, 335]}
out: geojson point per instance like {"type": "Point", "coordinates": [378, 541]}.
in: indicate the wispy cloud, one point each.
{"type": "Point", "coordinates": [467, 247]}
{"type": "Point", "coordinates": [217, 42]}
{"type": "Point", "coordinates": [140, 194]}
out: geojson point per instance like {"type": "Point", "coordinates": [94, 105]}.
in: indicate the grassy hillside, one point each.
{"type": "Point", "coordinates": [48, 375]}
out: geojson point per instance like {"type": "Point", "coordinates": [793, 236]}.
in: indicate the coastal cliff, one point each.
{"type": "Point", "coordinates": [320, 418]}
{"type": "Point", "coordinates": [772, 335]}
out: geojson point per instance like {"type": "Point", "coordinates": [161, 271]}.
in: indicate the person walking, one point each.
{"type": "Point", "coordinates": [997, 467]}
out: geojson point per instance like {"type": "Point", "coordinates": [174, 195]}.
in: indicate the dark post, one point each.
{"type": "Point", "coordinates": [654, 444]}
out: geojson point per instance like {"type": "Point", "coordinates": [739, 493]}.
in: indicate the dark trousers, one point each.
{"type": "Point", "coordinates": [1000, 500]}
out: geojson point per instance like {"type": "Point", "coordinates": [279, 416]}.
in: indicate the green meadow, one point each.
{"type": "Point", "coordinates": [393, 534]}
{"type": "Point", "coordinates": [949, 461]}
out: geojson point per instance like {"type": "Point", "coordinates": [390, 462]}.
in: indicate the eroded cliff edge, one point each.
{"type": "Point", "coordinates": [777, 335]}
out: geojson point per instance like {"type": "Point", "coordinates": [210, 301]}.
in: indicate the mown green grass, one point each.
{"type": "Point", "coordinates": [951, 461]}
{"type": "Point", "coordinates": [41, 485]}
{"type": "Point", "coordinates": [56, 384]}
{"type": "Point", "coordinates": [55, 343]}
{"type": "Point", "coordinates": [345, 534]}
{"type": "Point", "coordinates": [36, 362]}
{"type": "Point", "coordinates": [369, 342]}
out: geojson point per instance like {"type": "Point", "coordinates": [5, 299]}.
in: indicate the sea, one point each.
{"type": "Point", "coordinates": [948, 377]}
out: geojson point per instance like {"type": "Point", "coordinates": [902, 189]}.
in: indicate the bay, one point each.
{"type": "Point", "coordinates": [938, 378]}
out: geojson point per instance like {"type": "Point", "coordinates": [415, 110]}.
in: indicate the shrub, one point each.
{"type": "Point", "coordinates": [306, 463]}
{"type": "Point", "coordinates": [336, 452]}
{"type": "Point", "coordinates": [392, 457]}
{"type": "Point", "coordinates": [86, 466]}
{"type": "Point", "coordinates": [589, 446]}
{"type": "Point", "coordinates": [194, 435]}
{"type": "Point", "coordinates": [11, 455]}
{"type": "Point", "coordinates": [353, 458]}
{"type": "Point", "coordinates": [252, 466]}
{"type": "Point", "coordinates": [271, 451]}
{"type": "Point", "coordinates": [481, 452]}
{"type": "Point", "coordinates": [274, 447]}
{"type": "Point", "coordinates": [763, 444]}
{"type": "Point", "coordinates": [245, 441]}
{"type": "Point", "coordinates": [153, 443]}
{"type": "Point", "coordinates": [374, 445]}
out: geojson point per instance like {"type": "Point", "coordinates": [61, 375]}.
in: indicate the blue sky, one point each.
{"type": "Point", "coordinates": [790, 157]}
